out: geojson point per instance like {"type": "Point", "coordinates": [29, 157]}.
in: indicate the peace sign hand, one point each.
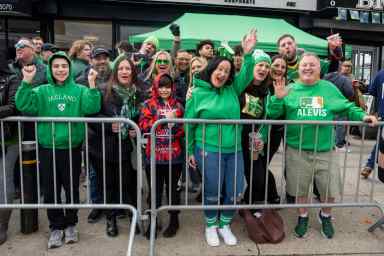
{"type": "Point", "coordinates": [249, 41]}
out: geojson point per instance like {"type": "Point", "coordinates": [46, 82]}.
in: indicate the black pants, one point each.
{"type": "Point", "coordinates": [60, 218]}
{"type": "Point", "coordinates": [258, 177]}
{"type": "Point", "coordinates": [162, 177]}
{"type": "Point", "coordinates": [113, 194]}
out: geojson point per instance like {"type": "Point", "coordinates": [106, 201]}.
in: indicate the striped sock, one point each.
{"type": "Point", "coordinates": [224, 220]}
{"type": "Point", "coordinates": [211, 222]}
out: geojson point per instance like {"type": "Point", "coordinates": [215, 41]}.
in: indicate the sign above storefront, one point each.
{"type": "Point", "coordinates": [377, 5]}
{"type": "Point", "coordinates": [16, 7]}
{"type": "Point", "coordinates": [303, 5]}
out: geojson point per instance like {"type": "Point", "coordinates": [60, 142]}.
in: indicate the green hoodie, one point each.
{"type": "Point", "coordinates": [53, 100]}
{"type": "Point", "coordinates": [319, 102]}
{"type": "Point", "coordinates": [208, 102]}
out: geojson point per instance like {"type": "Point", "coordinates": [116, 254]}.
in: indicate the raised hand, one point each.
{"type": "Point", "coordinates": [280, 89]}
{"type": "Point", "coordinates": [249, 41]}
{"type": "Point", "coordinates": [92, 78]}
{"type": "Point", "coordinates": [175, 29]}
{"type": "Point", "coordinates": [29, 73]}
{"type": "Point", "coordinates": [334, 41]}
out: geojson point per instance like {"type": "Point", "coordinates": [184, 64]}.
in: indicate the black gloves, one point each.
{"type": "Point", "coordinates": [175, 29]}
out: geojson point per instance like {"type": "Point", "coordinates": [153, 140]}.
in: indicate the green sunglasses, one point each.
{"type": "Point", "coordinates": [162, 62]}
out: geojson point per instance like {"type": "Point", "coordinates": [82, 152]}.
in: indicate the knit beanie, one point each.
{"type": "Point", "coordinates": [152, 40]}
{"type": "Point", "coordinates": [260, 56]}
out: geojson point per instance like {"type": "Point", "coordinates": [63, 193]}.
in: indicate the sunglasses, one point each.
{"type": "Point", "coordinates": [162, 62]}
{"type": "Point", "coordinates": [22, 45]}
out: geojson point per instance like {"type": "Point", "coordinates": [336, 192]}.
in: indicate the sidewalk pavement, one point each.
{"type": "Point", "coordinates": [351, 224]}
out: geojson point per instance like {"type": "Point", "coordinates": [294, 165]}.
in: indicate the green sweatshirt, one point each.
{"type": "Point", "coordinates": [320, 101]}
{"type": "Point", "coordinates": [208, 102]}
{"type": "Point", "coordinates": [53, 100]}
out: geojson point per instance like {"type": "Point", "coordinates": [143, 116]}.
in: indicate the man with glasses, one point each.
{"type": "Point", "coordinates": [25, 55]}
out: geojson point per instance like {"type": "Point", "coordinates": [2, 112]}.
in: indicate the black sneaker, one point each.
{"type": "Point", "coordinates": [95, 215]}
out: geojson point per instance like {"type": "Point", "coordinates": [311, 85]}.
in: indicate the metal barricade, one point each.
{"type": "Point", "coordinates": [69, 155]}
{"type": "Point", "coordinates": [360, 196]}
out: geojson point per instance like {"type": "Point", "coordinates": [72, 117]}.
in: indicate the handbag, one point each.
{"type": "Point", "coordinates": [267, 227]}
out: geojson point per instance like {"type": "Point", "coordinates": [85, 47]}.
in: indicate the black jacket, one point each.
{"type": "Point", "coordinates": [110, 108]}
{"type": "Point", "coordinates": [8, 87]}
{"type": "Point", "coordinates": [100, 81]}
{"type": "Point", "coordinates": [15, 78]}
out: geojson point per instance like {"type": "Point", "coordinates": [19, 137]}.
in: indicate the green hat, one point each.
{"type": "Point", "coordinates": [225, 50]}
{"type": "Point", "coordinates": [260, 56]}
{"type": "Point", "coordinates": [152, 40]}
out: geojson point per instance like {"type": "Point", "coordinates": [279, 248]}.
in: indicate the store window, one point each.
{"type": "Point", "coordinates": [127, 30]}
{"type": "Point", "coordinates": [67, 31]}
{"type": "Point", "coordinates": [3, 43]}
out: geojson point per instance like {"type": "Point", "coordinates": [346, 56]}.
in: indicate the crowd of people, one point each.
{"type": "Point", "coordinates": [152, 84]}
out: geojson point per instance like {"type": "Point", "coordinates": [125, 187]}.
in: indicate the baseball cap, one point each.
{"type": "Point", "coordinates": [49, 47]}
{"type": "Point", "coordinates": [99, 50]}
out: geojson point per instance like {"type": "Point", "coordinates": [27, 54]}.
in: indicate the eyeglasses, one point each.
{"type": "Point", "coordinates": [162, 62]}
{"type": "Point", "coordinates": [22, 45]}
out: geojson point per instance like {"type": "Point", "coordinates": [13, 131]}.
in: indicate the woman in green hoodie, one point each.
{"type": "Point", "coordinates": [61, 97]}
{"type": "Point", "coordinates": [309, 154]}
{"type": "Point", "coordinates": [215, 96]}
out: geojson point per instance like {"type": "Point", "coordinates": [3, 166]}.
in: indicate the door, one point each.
{"type": "Point", "coordinates": [365, 60]}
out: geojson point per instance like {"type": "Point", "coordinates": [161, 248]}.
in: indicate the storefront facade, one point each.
{"type": "Point", "coordinates": [107, 22]}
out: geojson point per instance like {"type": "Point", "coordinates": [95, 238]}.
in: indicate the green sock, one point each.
{"type": "Point", "coordinates": [211, 222]}
{"type": "Point", "coordinates": [224, 220]}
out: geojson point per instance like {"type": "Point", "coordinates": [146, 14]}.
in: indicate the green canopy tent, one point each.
{"type": "Point", "coordinates": [196, 27]}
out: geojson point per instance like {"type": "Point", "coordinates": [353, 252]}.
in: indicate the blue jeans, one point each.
{"type": "Point", "coordinates": [10, 160]}
{"type": "Point", "coordinates": [341, 131]}
{"type": "Point", "coordinates": [94, 191]}
{"type": "Point", "coordinates": [371, 159]}
{"type": "Point", "coordinates": [221, 182]}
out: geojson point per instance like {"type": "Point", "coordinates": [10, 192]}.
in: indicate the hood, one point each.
{"type": "Point", "coordinates": [50, 78]}
{"type": "Point", "coordinates": [198, 82]}
{"type": "Point", "coordinates": [155, 86]}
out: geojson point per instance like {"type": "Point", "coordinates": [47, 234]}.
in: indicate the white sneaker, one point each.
{"type": "Point", "coordinates": [343, 149]}
{"type": "Point", "coordinates": [55, 239]}
{"type": "Point", "coordinates": [71, 235]}
{"type": "Point", "coordinates": [227, 235]}
{"type": "Point", "coordinates": [211, 236]}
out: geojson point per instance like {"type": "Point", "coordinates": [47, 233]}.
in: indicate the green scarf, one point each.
{"type": "Point", "coordinates": [128, 110]}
